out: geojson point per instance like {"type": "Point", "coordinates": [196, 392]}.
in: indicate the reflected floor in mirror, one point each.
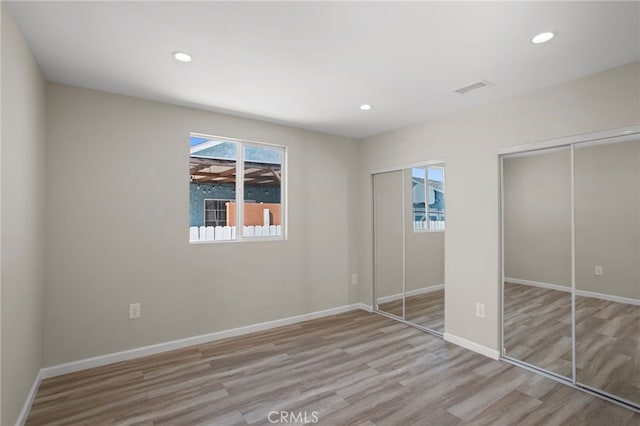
{"type": "Point", "coordinates": [608, 347]}
{"type": "Point", "coordinates": [393, 308]}
{"type": "Point", "coordinates": [537, 327]}
{"type": "Point", "coordinates": [426, 310]}
{"type": "Point", "coordinates": [537, 330]}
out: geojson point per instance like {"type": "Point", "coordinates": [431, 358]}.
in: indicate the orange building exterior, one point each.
{"type": "Point", "coordinates": [254, 213]}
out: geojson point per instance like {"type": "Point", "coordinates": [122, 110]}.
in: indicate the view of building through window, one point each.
{"type": "Point", "coordinates": [428, 197]}
{"type": "Point", "coordinates": [215, 192]}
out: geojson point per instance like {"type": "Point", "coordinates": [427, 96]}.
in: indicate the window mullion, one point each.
{"type": "Point", "coordinates": [240, 192]}
{"type": "Point", "coordinates": [427, 213]}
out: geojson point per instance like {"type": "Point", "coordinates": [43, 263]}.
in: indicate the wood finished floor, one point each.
{"type": "Point", "coordinates": [538, 331]}
{"type": "Point", "coordinates": [537, 327]}
{"type": "Point", "coordinates": [355, 368]}
{"type": "Point", "coordinates": [425, 309]}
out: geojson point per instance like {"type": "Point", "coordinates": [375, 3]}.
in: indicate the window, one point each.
{"type": "Point", "coordinates": [215, 212]}
{"type": "Point", "coordinates": [427, 185]}
{"type": "Point", "coordinates": [221, 204]}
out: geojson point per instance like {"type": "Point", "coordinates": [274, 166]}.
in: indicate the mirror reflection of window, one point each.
{"type": "Point", "coordinates": [428, 194]}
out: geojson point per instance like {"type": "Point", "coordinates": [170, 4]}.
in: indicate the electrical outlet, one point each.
{"type": "Point", "coordinates": [354, 278]}
{"type": "Point", "coordinates": [134, 311]}
{"type": "Point", "coordinates": [480, 310]}
{"type": "Point", "coordinates": [598, 271]}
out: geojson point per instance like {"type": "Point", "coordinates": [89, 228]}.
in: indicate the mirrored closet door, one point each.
{"type": "Point", "coordinates": [388, 242]}
{"type": "Point", "coordinates": [409, 226]}
{"type": "Point", "coordinates": [537, 259]}
{"type": "Point", "coordinates": [571, 262]}
{"type": "Point", "coordinates": [424, 246]}
{"type": "Point", "coordinates": [607, 256]}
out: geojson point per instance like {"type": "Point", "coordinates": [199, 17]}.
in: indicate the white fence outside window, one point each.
{"type": "Point", "coordinates": [228, 233]}
{"type": "Point", "coordinates": [432, 225]}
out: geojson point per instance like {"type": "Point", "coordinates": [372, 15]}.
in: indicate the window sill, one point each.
{"type": "Point", "coordinates": [245, 240]}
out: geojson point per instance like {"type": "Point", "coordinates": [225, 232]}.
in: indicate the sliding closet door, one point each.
{"type": "Point", "coordinates": [607, 262]}
{"type": "Point", "coordinates": [537, 259]}
{"type": "Point", "coordinates": [424, 214]}
{"type": "Point", "coordinates": [388, 242]}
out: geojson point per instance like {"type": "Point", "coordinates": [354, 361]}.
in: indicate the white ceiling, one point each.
{"type": "Point", "coordinates": [311, 65]}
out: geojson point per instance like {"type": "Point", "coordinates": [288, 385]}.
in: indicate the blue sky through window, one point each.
{"type": "Point", "coordinates": [436, 174]}
{"type": "Point", "coordinates": [193, 141]}
{"type": "Point", "coordinates": [218, 148]}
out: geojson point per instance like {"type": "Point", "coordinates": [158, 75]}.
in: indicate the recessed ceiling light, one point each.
{"type": "Point", "coordinates": [365, 107]}
{"type": "Point", "coordinates": [542, 38]}
{"type": "Point", "coordinates": [182, 56]}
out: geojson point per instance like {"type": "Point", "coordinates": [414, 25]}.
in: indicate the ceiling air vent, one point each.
{"type": "Point", "coordinates": [473, 87]}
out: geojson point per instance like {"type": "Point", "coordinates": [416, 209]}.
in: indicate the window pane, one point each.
{"type": "Point", "coordinates": [435, 193]}
{"type": "Point", "coordinates": [418, 194]}
{"type": "Point", "coordinates": [215, 212]}
{"type": "Point", "coordinates": [262, 171]}
{"type": "Point", "coordinates": [212, 189]}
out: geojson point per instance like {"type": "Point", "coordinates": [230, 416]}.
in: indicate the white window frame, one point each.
{"type": "Point", "coordinates": [239, 200]}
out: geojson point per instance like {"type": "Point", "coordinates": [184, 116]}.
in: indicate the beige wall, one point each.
{"type": "Point", "coordinates": [469, 143]}
{"type": "Point", "coordinates": [607, 195]}
{"type": "Point", "coordinates": [424, 251]}
{"type": "Point", "coordinates": [23, 206]}
{"type": "Point", "coordinates": [537, 217]}
{"type": "Point", "coordinates": [117, 228]}
{"type": "Point", "coordinates": [388, 233]}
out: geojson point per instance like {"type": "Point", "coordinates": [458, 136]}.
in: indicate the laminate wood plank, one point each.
{"type": "Point", "coordinates": [559, 407]}
{"type": "Point", "coordinates": [493, 390]}
{"type": "Point", "coordinates": [508, 410]}
{"type": "Point", "coordinates": [537, 386]}
{"type": "Point", "coordinates": [355, 368]}
{"type": "Point", "coordinates": [426, 309]}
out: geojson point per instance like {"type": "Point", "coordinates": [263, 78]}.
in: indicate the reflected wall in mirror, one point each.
{"type": "Point", "coordinates": [537, 325]}
{"type": "Point", "coordinates": [388, 242]}
{"type": "Point", "coordinates": [607, 262]}
{"type": "Point", "coordinates": [424, 246]}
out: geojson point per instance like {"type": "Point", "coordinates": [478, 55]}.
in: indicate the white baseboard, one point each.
{"type": "Point", "coordinates": [582, 293]}
{"type": "Point", "coordinates": [398, 296]}
{"type": "Point", "coordinates": [365, 307]}
{"type": "Point", "coordinates": [425, 290]}
{"type": "Point", "coordinates": [472, 346]}
{"type": "Point", "coordinates": [97, 361]}
{"type": "Point", "coordinates": [548, 286]}
{"type": "Point", "coordinates": [609, 297]}
{"type": "Point", "coordinates": [31, 396]}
